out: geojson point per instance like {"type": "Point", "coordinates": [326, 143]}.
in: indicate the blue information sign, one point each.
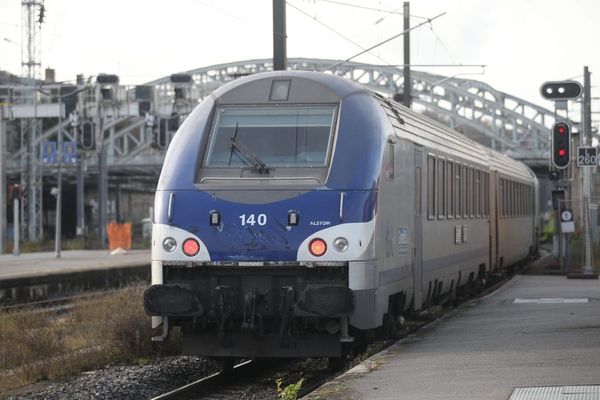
{"type": "Point", "coordinates": [49, 151]}
{"type": "Point", "coordinates": [70, 152]}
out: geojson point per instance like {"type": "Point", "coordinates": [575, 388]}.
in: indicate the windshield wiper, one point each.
{"type": "Point", "coordinates": [260, 165]}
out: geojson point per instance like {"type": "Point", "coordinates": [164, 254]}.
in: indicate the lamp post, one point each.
{"type": "Point", "coordinates": [58, 226]}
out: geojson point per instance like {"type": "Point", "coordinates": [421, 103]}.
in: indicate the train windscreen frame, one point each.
{"type": "Point", "coordinates": [264, 137]}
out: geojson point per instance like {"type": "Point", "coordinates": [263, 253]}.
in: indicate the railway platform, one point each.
{"type": "Point", "coordinates": [536, 338]}
{"type": "Point", "coordinates": [33, 277]}
{"type": "Point", "coordinates": [45, 263]}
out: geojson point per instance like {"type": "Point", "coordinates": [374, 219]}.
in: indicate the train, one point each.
{"type": "Point", "coordinates": [297, 211]}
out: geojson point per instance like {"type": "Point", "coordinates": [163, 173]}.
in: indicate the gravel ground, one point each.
{"type": "Point", "coordinates": [165, 374]}
{"type": "Point", "coordinates": [126, 382]}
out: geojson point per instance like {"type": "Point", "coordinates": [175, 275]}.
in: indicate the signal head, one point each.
{"type": "Point", "coordinates": [561, 90]}
{"type": "Point", "coordinates": [561, 144]}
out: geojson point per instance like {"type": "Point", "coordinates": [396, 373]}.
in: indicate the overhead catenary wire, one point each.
{"type": "Point", "coordinates": [334, 31]}
{"type": "Point", "coordinates": [341, 3]}
{"type": "Point", "coordinates": [224, 12]}
{"type": "Point", "coordinates": [433, 65]}
{"type": "Point", "coordinates": [443, 45]}
{"type": "Point", "coordinates": [383, 42]}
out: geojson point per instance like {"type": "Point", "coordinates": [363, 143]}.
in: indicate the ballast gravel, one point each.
{"type": "Point", "coordinates": [126, 382]}
{"type": "Point", "coordinates": [143, 382]}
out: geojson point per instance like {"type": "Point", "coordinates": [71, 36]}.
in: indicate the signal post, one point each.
{"type": "Point", "coordinates": [560, 159]}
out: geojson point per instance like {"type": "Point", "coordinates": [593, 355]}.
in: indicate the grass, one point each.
{"type": "Point", "coordinates": [37, 345]}
{"type": "Point", "coordinates": [289, 392]}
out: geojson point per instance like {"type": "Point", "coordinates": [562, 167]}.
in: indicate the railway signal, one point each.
{"type": "Point", "coordinates": [561, 90]}
{"type": "Point", "coordinates": [561, 144]}
{"type": "Point", "coordinates": [87, 138]}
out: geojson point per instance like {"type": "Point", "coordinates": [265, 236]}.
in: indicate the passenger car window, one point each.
{"type": "Point", "coordinates": [441, 188]}
{"type": "Point", "coordinates": [431, 186]}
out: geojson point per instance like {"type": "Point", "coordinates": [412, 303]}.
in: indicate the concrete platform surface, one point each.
{"type": "Point", "coordinates": [45, 263]}
{"type": "Point", "coordinates": [489, 346]}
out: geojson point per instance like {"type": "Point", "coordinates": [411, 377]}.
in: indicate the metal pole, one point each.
{"type": "Point", "coordinates": [102, 175]}
{"type": "Point", "coordinates": [406, 100]}
{"type": "Point", "coordinates": [3, 199]}
{"type": "Point", "coordinates": [16, 227]}
{"type": "Point", "coordinates": [80, 199]}
{"type": "Point", "coordinates": [102, 193]}
{"type": "Point", "coordinates": [32, 198]}
{"type": "Point", "coordinates": [279, 36]}
{"type": "Point", "coordinates": [586, 186]}
{"type": "Point", "coordinates": [118, 204]}
{"type": "Point", "coordinates": [23, 173]}
{"type": "Point", "coordinates": [58, 227]}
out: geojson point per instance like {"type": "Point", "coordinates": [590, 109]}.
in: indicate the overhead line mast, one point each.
{"type": "Point", "coordinates": [33, 13]}
{"type": "Point", "coordinates": [279, 36]}
{"type": "Point", "coordinates": [406, 100]}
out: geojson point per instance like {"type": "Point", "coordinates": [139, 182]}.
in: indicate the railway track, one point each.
{"type": "Point", "coordinates": [205, 382]}
{"type": "Point", "coordinates": [256, 378]}
{"type": "Point", "coordinates": [227, 383]}
{"type": "Point", "coordinates": [58, 304]}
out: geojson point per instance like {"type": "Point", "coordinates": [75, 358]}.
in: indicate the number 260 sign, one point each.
{"type": "Point", "coordinates": [586, 157]}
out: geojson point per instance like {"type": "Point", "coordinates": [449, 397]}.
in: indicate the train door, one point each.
{"type": "Point", "coordinates": [496, 203]}
{"type": "Point", "coordinates": [491, 215]}
{"type": "Point", "coordinates": [418, 230]}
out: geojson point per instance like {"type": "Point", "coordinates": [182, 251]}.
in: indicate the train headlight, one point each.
{"type": "Point", "coordinates": [191, 247]}
{"type": "Point", "coordinates": [317, 247]}
{"type": "Point", "coordinates": [169, 244]}
{"type": "Point", "coordinates": [340, 244]}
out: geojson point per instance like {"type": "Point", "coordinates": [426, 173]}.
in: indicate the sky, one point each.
{"type": "Point", "coordinates": [522, 42]}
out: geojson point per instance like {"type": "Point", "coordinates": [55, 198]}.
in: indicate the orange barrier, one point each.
{"type": "Point", "coordinates": [119, 235]}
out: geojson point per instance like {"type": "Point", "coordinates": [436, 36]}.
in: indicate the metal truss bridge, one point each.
{"type": "Point", "coordinates": [133, 124]}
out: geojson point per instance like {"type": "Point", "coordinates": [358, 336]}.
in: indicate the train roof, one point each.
{"type": "Point", "coordinates": [407, 123]}
{"type": "Point", "coordinates": [509, 167]}
{"type": "Point", "coordinates": [340, 86]}
{"type": "Point", "coordinates": [434, 135]}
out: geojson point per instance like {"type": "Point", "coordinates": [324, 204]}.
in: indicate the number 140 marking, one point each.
{"type": "Point", "coordinates": [251, 219]}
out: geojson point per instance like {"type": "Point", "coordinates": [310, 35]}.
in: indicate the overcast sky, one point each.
{"type": "Point", "coordinates": [522, 42]}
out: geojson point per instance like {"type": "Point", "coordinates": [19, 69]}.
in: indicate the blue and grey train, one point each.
{"type": "Point", "coordinates": [297, 210]}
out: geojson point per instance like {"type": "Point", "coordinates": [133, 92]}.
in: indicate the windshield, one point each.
{"type": "Point", "coordinates": [265, 137]}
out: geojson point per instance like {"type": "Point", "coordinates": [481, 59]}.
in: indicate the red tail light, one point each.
{"type": "Point", "coordinates": [191, 247]}
{"type": "Point", "coordinates": [317, 247]}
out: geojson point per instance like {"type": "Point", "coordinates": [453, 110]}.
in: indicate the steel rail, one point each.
{"type": "Point", "coordinates": [190, 387]}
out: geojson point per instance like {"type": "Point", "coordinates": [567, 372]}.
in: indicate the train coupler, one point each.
{"type": "Point", "coordinates": [225, 303]}
{"type": "Point", "coordinates": [250, 315]}
{"type": "Point", "coordinates": [287, 328]}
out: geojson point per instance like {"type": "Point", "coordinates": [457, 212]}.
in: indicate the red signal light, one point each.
{"type": "Point", "coordinates": [562, 152]}
{"type": "Point", "coordinates": [561, 130]}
